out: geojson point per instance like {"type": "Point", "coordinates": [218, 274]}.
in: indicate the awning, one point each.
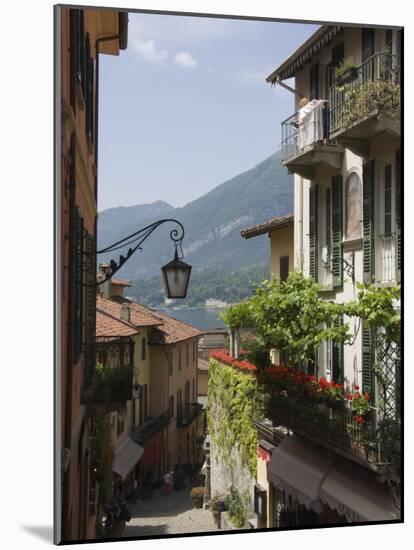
{"type": "Point", "coordinates": [127, 456]}
{"type": "Point", "coordinates": [355, 493]}
{"type": "Point", "coordinates": [299, 470]}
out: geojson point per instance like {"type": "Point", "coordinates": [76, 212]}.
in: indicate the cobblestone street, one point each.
{"type": "Point", "coordinates": [168, 514]}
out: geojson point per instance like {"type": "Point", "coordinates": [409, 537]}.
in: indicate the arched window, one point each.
{"type": "Point", "coordinates": [353, 207]}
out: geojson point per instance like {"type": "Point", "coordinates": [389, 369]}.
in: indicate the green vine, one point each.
{"type": "Point", "coordinates": [236, 504]}
{"type": "Point", "coordinates": [104, 458]}
{"type": "Point", "coordinates": [235, 399]}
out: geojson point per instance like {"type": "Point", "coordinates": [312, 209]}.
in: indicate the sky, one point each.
{"type": "Point", "coordinates": [186, 106]}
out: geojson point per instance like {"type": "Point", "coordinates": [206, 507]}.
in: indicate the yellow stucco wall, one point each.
{"type": "Point", "coordinates": [281, 244]}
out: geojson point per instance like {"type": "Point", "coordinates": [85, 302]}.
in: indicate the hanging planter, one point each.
{"type": "Point", "coordinates": [347, 76]}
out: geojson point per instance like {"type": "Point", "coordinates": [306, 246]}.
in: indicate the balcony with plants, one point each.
{"type": "Point", "coordinates": [109, 371]}
{"type": "Point", "coordinates": [362, 424]}
{"type": "Point", "coordinates": [151, 427]}
{"type": "Point", "coordinates": [305, 140]}
{"type": "Point", "coordinates": [365, 101]}
{"type": "Point", "coordinates": [188, 414]}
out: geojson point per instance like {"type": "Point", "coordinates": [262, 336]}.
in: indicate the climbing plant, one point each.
{"type": "Point", "coordinates": [235, 399]}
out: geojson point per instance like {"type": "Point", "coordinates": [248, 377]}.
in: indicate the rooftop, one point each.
{"type": "Point", "coordinates": [138, 317]}
{"type": "Point", "coordinates": [166, 329]}
{"type": "Point", "coordinates": [112, 327]}
{"type": "Point", "coordinates": [304, 53]}
{"type": "Point", "coordinates": [268, 226]}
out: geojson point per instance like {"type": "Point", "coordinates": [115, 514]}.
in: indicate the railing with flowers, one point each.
{"type": "Point", "coordinates": [227, 359]}
{"type": "Point", "coordinates": [373, 86]}
{"type": "Point", "coordinates": [319, 410]}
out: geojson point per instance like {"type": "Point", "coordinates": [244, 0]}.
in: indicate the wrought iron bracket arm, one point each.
{"type": "Point", "coordinates": [136, 239]}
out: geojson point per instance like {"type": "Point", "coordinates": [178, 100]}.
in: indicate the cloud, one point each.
{"type": "Point", "coordinates": [185, 59]}
{"type": "Point", "coordinates": [149, 52]}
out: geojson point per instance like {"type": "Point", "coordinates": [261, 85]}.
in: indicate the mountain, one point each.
{"type": "Point", "coordinates": [212, 223]}
{"type": "Point", "coordinates": [114, 223]}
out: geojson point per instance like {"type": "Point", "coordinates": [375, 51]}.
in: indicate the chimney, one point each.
{"type": "Point", "coordinates": [125, 312]}
{"type": "Point", "coordinates": [106, 287]}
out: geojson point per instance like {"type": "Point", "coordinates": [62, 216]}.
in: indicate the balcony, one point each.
{"type": "Point", "coordinates": [335, 428]}
{"type": "Point", "coordinates": [109, 373]}
{"type": "Point", "coordinates": [305, 142]}
{"type": "Point", "coordinates": [188, 414]}
{"type": "Point", "coordinates": [150, 428]}
{"type": "Point", "coordinates": [367, 104]}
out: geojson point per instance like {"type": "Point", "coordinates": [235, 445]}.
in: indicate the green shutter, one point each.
{"type": "Point", "coordinates": [90, 297]}
{"type": "Point", "coordinates": [398, 213]}
{"type": "Point", "coordinates": [368, 222]}
{"type": "Point", "coordinates": [313, 232]}
{"type": "Point", "coordinates": [367, 357]}
{"type": "Point", "coordinates": [337, 207]}
{"type": "Point", "coordinates": [77, 282]}
{"type": "Point", "coordinates": [338, 357]}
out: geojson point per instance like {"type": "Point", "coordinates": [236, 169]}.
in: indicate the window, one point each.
{"type": "Point", "coordinates": [353, 203]}
{"type": "Point", "coordinates": [179, 404]}
{"type": "Point", "coordinates": [170, 362]}
{"type": "Point", "coordinates": [284, 267]}
{"type": "Point", "coordinates": [194, 350]}
{"type": "Point", "coordinates": [143, 348]}
{"type": "Point", "coordinates": [194, 390]}
{"type": "Point", "coordinates": [187, 355]}
{"type": "Point", "coordinates": [179, 358]}
{"type": "Point", "coordinates": [187, 394]}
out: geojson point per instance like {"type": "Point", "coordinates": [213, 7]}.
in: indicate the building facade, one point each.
{"type": "Point", "coordinates": [343, 146]}
{"type": "Point", "coordinates": [83, 35]}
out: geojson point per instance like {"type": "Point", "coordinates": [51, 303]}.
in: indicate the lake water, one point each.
{"type": "Point", "coordinates": [200, 318]}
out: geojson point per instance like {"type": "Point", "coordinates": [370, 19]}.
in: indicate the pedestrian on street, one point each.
{"type": "Point", "coordinates": [168, 483]}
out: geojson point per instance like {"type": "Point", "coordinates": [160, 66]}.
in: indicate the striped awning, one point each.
{"type": "Point", "coordinates": [127, 457]}
{"type": "Point", "coordinates": [304, 53]}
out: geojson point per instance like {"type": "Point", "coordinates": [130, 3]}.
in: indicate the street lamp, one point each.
{"type": "Point", "coordinates": [176, 274]}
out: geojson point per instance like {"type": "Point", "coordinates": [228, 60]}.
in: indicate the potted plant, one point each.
{"type": "Point", "coordinates": [346, 71]}
{"type": "Point", "coordinates": [197, 494]}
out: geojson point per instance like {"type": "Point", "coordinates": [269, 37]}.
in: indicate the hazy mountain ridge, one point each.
{"type": "Point", "coordinates": [212, 223]}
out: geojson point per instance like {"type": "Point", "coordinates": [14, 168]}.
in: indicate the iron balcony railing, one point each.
{"type": "Point", "coordinates": [334, 428]}
{"type": "Point", "coordinates": [299, 131]}
{"type": "Point", "coordinates": [344, 104]}
{"type": "Point", "coordinates": [188, 414]}
{"type": "Point", "coordinates": [151, 427]}
{"type": "Point", "coordinates": [109, 370]}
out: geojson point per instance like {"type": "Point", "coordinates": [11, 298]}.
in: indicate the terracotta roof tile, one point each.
{"type": "Point", "coordinates": [110, 326]}
{"type": "Point", "coordinates": [166, 329]}
{"type": "Point", "coordinates": [138, 317]}
{"type": "Point", "coordinates": [266, 227]}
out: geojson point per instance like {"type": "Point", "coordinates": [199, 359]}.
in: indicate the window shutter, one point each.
{"type": "Point", "coordinates": [313, 232]}
{"type": "Point", "coordinates": [89, 71]}
{"type": "Point", "coordinates": [368, 221]}
{"type": "Point", "coordinates": [90, 289]}
{"type": "Point", "coordinates": [367, 356]}
{"type": "Point", "coordinates": [338, 357]}
{"type": "Point", "coordinates": [337, 208]}
{"type": "Point", "coordinates": [77, 282]}
{"type": "Point", "coordinates": [398, 213]}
